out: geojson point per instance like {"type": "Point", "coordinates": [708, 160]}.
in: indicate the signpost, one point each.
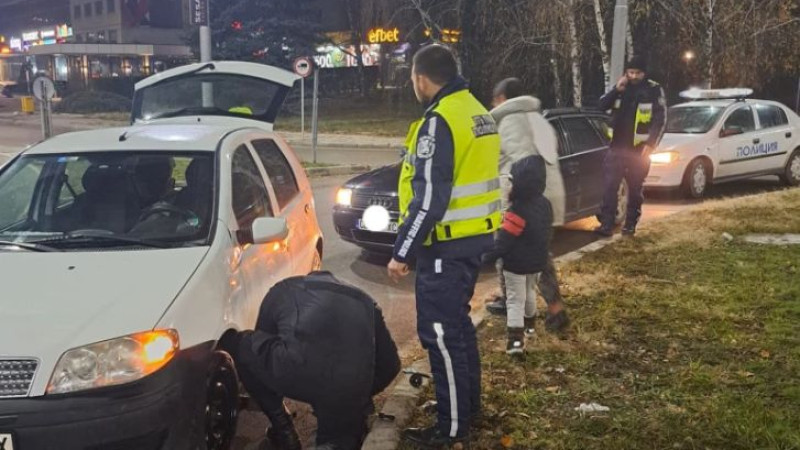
{"type": "Point", "coordinates": [303, 67]}
{"type": "Point", "coordinates": [44, 90]}
{"type": "Point", "coordinates": [618, 43]}
{"type": "Point", "coordinates": [315, 114]}
{"type": "Point", "coordinates": [200, 16]}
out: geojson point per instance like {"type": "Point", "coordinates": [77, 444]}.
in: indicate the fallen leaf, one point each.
{"type": "Point", "coordinates": [553, 389]}
{"type": "Point", "coordinates": [745, 374]}
{"type": "Point", "coordinates": [524, 415]}
{"type": "Point", "coordinates": [506, 441]}
{"type": "Point", "coordinates": [764, 354]}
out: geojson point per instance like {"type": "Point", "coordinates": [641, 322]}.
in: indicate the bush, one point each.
{"type": "Point", "coordinates": [88, 102]}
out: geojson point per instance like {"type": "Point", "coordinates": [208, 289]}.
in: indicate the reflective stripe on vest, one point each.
{"type": "Point", "coordinates": [474, 207]}
{"type": "Point", "coordinates": [644, 115]}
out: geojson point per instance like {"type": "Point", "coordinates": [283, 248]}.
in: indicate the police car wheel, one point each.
{"type": "Point", "coordinates": [222, 403]}
{"type": "Point", "coordinates": [695, 181]}
{"type": "Point", "coordinates": [791, 175]}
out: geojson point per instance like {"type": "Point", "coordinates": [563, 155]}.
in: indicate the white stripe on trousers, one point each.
{"type": "Point", "coordinates": [451, 379]}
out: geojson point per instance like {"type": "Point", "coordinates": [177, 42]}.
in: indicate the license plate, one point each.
{"type": "Point", "coordinates": [6, 441]}
{"type": "Point", "coordinates": [360, 225]}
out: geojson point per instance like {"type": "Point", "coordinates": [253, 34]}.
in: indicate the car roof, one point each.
{"type": "Point", "coordinates": [727, 102]}
{"type": "Point", "coordinates": [558, 112]}
{"type": "Point", "coordinates": [152, 137]}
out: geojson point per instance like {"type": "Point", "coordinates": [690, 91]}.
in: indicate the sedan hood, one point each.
{"type": "Point", "coordinates": [381, 181]}
{"type": "Point", "coordinates": [674, 141]}
{"type": "Point", "coordinates": [53, 302]}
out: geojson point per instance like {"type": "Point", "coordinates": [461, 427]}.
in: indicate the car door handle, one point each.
{"type": "Point", "coordinates": [789, 134]}
{"type": "Point", "coordinates": [756, 141]}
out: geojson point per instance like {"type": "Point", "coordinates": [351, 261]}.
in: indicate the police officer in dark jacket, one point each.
{"type": "Point", "coordinates": [321, 342]}
{"type": "Point", "coordinates": [638, 120]}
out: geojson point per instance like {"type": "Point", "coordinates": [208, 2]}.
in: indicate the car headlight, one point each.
{"type": "Point", "coordinates": [664, 157]}
{"type": "Point", "coordinates": [344, 197]}
{"type": "Point", "coordinates": [113, 362]}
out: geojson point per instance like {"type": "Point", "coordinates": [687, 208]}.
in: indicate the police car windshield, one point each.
{"type": "Point", "coordinates": [692, 119]}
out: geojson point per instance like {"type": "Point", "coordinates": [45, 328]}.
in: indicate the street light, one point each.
{"type": "Point", "coordinates": [688, 56]}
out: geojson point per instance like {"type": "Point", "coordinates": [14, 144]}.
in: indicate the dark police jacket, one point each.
{"type": "Point", "coordinates": [318, 340]}
{"type": "Point", "coordinates": [623, 106]}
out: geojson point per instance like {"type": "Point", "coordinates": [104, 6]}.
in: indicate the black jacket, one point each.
{"type": "Point", "coordinates": [624, 116]}
{"type": "Point", "coordinates": [523, 241]}
{"type": "Point", "coordinates": [318, 340]}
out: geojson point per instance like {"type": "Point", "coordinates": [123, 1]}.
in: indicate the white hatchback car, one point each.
{"type": "Point", "coordinates": [722, 136]}
{"type": "Point", "coordinates": [126, 254]}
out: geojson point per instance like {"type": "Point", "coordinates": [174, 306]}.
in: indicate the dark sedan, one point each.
{"type": "Point", "coordinates": [583, 143]}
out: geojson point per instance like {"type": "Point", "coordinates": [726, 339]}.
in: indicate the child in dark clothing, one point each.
{"type": "Point", "coordinates": [523, 243]}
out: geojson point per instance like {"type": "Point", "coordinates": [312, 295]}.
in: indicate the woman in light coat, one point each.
{"type": "Point", "coordinates": [523, 132]}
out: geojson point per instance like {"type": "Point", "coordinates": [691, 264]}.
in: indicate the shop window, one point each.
{"type": "Point", "coordinates": [76, 11]}
{"type": "Point", "coordinates": [111, 6]}
{"type": "Point", "coordinates": [98, 7]}
{"type": "Point", "coordinates": [87, 10]}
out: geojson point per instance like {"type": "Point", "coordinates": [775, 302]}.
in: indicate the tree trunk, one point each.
{"type": "Point", "coordinates": [601, 31]}
{"type": "Point", "coordinates": [353, 8]}
{"type": "Point", "coordinates": [577, 79]}
{"type": "Point", "coordinates": [629, 40]}
{"type": "Point", "coordinates": [709, 44]}
{"type": "Point", "coordinates": [468, 56]}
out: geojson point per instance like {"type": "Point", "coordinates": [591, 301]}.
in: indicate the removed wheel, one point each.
{"type": "Point", "coordinates": [222, 403]}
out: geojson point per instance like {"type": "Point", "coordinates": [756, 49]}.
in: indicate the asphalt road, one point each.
{"type": "Point", "coordinates": [367, 271]}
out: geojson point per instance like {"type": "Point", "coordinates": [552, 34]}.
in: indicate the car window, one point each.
{"type": "Point", "coordinates": [563, 149]}
{"type": "Point", "coordinates": [278, 170]}
{"type": "Point", "coordinates": [741, 118]}
{"type": "Point", "coordinates": [771, 116]}
{"type": "Point", "coordinates": [603, 128]}
{"type": "Point", "coordinates": [582, 136]}
{"type": "Point", "coordinates": [18, 186]}
{"type": "Point", "coordinates": [250, 197]}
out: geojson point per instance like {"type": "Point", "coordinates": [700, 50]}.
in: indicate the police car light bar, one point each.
{"type": "Point", "coordinates": [716, 94]}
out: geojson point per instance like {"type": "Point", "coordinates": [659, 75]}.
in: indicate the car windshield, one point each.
{"type": "Point", "coordinates": [107, 199]}
{"type": "Point", "coordinates": [209, 94]}
{"type": "Point", "coordinates": [692, 119]}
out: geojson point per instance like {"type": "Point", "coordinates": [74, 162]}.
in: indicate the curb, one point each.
{"type": "Point", "coordinates": [316, 172]}
{"type": "Point", "coordinates": [403, 399]}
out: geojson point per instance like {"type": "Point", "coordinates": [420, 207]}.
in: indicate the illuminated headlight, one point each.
{"type": "Point", "coordinates": [344, 197]}
{"type": "Point", "coordinates": [664, 157]}
{"type": "Point", "coordinates": [113, 362]}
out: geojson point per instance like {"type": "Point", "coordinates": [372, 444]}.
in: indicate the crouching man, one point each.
{"type": "Point", "coordinates": [322, 342]}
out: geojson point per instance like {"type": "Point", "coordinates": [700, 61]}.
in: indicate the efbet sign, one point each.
{"type": "Point", "coordinates": [383, 36]}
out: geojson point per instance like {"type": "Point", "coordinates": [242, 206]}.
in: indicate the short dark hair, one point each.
{"type": "Point", "coordinates": [509, 88]}
{"type": "Point", "coordinates": [436, 62]}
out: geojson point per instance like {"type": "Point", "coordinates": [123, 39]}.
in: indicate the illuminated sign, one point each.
{"type": "Point", "coordinates": [447, 35]}
{"type": "Point", "coordinates": [383, 36]}
{"type": "Point", "coordinates": [199, 13]}
{"type": "Point", "coordinates": [30, 36]}
{"type": "Point", "coordinates": [15, 44]}
{"type": "Point", "coordinates": [332, 57]}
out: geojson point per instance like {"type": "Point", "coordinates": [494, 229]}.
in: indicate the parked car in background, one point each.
{"type": "Point", "coordinates": [583, 143]}
{"type": "Point", "coordinates": [722, 136]}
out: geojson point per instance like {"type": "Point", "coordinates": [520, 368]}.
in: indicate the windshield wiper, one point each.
{"type": "Point", "coordinates": [30, 246]}
{"type": "Point", "coordinates": [89, 236]}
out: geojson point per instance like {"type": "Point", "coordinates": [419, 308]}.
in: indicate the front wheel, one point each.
{"type": "Point", "coordinates": [791, 174]}
{"type": "Point", "coordinates": [695, 180]}
{"type": "Point", "coordinates": [222, 403]}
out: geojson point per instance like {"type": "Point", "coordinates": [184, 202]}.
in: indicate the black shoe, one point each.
{"type": "Point", "coordinates": [628, 231]}
{"type": "Point", "coordinates": [433, 438]}
{"type": "Point", "coordinates": [497, 306]}
{"type": "Point", "coordinates": [530, 331]}
{"type": "Point", "coordinates": [516, 341]}
{"type": "Point", "coordinates": [556, 322]}
{"type": "Point", "coordinates": [281, 433]}
{"type": "Point", "coordinates": [604, 231]}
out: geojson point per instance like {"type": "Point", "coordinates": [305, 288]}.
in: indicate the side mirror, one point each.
{"type": "Point", "coordinates": [264, 231]}
{"type": "Point", "coordinates": [731, 131]}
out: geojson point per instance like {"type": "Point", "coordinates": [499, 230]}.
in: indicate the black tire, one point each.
{"type": "Point", "coordinates": [221, 402]}
{"type": "Point", "coordinates": [791, 173]}
{"type": "Point", "coordinates": [622, 203]}
{"type": "Point", "coordinates": [696, 179]}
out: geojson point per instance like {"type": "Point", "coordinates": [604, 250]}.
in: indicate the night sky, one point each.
{"type": "Point", "coordinates": [19, 15]}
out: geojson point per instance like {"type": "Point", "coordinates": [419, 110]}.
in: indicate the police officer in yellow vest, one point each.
{"type": "Point", "coordinates": [638, 120]}
{"type": "Point", "coordinates": [450, 207]}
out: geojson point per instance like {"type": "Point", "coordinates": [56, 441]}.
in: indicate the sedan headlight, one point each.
{"type": "Point", "coordinates": [113, 362]}
{"type": "Point", "coordinates": [344, 197]}
{"type": "Point", "coordinates": [664, 157]}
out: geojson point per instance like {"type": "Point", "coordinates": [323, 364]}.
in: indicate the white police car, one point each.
{"type": "Point", "coordinates": [722, 136]}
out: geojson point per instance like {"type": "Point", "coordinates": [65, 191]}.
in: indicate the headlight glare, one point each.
{"type": "Point", "coordinates": [113, 362]}
{"type": "Point", "coordinates": [344, 197]}
{"type": "Point", "coordinates": [664, 157]}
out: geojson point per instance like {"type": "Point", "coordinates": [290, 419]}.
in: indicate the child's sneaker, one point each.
{"type": "Point", "coordinates": [516, 341]}
{"type": "Point", "coordinates": [529, 330]}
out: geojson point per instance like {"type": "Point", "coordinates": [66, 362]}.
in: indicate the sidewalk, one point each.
{"type": "Point", "coordinates": [77, 122]}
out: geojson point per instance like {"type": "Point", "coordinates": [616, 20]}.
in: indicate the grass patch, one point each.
{"type": "Point", "coordinates": [693, 342]}
{"type": "Point", "coordinates": [372, 116]}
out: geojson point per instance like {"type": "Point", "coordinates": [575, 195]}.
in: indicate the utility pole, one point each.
{"type": "Point", "coordinates": [618, 42]}
{"type": "Point", "coordinates": [205, 52]}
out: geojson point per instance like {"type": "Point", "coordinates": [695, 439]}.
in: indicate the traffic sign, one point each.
{"type": "Point", "coordinates": [303, 66]}
{"type": "Point", "coordinates": [43, 88]}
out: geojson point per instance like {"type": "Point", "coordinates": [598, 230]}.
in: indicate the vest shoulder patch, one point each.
{"type": "Point", "coordinates": [426, 147]}
{"type": "Point", "coordinates": [484, 125]}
